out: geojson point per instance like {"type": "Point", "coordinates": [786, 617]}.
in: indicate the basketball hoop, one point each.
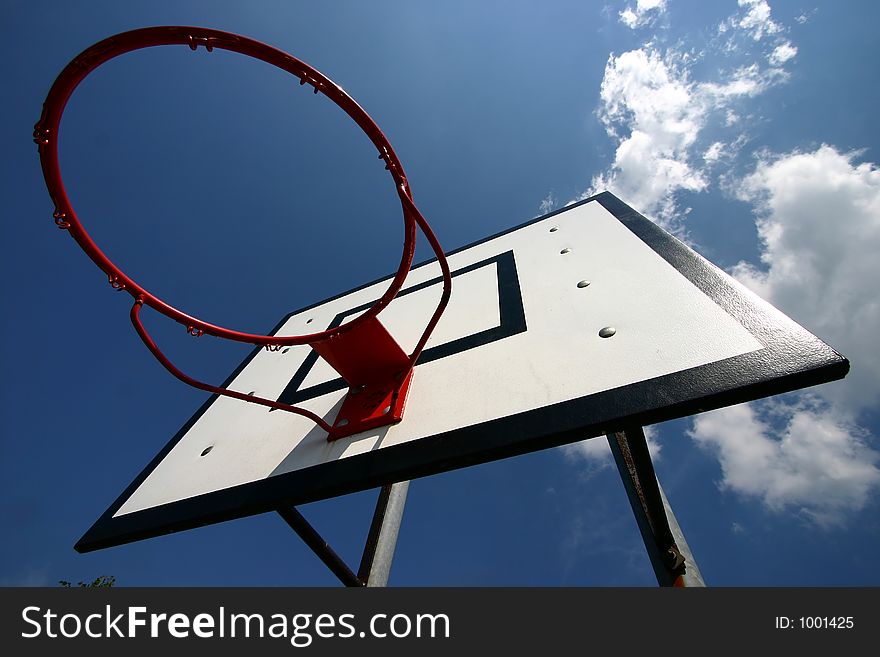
{"type": "Point", "coordinates": [361, 350]}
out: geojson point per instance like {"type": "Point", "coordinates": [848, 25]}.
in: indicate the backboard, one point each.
{"type": "Point", "coordinates": [578, 323]}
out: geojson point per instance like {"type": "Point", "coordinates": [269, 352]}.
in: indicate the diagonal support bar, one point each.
{"type": "Point", "coordinates": [670, 556]}
{"type": "Point", "coordinates": [319, 546]}
{"type": "Point", "coordinates": [381, 541]}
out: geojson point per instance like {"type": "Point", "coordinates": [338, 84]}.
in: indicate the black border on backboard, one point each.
{"type": "Point", "coordinates": [792, 358]}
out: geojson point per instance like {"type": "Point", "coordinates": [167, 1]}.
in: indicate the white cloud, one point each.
{"type": "Point", "coordinates": [782, 53]}
{"type": "Point", "coordinates": [744, 81]}
{"type": "Point", "coordinates": [714, 152]}
{"type": "Point", "coordinates": [750, 25]}
{"type": "Point", "coordinates": [756, 21]}
{"type": "Point", "coordinates": [657, 113]}
{"type": "Point", "coordinates": [649, 104]}
{"type": "Point", "coordinates": [819, 223]}
{"type": "Point", "coordinates": [649, 99]}
{"type": "Point", "coordinates": [818, 465]}
{"type": "Point", "coordinates": [644, 13]}
{"type": "Point", "coordinates": [594, 451]}
{"type": "Point", "coordinates": [548, 203]}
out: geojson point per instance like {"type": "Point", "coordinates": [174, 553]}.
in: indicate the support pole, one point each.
{"type": "Point", "coordinates": [382, 539]}
{"type": "Point", "coordinates": [692, 576]}
{"type": "Point", "coordinates": [673, 563]}
{"type": "Point", "coordinates": [319, 546]}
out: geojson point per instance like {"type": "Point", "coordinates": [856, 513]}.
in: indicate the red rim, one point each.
{"type": "Point", "coordinates": [46, 137]}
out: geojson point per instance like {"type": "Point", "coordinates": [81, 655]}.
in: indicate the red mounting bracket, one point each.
{"type": "Point", "coordinates": [378, 372]}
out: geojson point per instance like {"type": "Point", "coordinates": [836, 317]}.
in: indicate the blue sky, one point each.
{"type": "Point", "coordinates": [746, 128]}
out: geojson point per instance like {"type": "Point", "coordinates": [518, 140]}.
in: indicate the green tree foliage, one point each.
{"type": "Point", "coordinates": [100, 582]}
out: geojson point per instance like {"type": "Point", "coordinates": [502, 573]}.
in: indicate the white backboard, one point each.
{"type": "Point", "coordinates": [576, 324]}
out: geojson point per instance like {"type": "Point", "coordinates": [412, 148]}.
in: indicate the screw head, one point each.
{"type": "Point", "coordinates": [207, 450]}
{"type": "Point", "coordinates": [607, 332]}
{"type": "Point", "coordinates": [554, 229]}
{"type": "Point", "coordinates": [386, 410]}
{"type": "Point", "coordinates": [342, 423]}
{"type": "Point", "coordinates": [583, 283]}
{"type": "Point", "coordinates": [565, 250]}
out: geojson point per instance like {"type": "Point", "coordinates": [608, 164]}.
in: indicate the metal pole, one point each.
{"type": "Point", "coordinates": [672, 560]}
{"type": "Point", "coordinates": [319, 546]}
{"type": "Point", "coordinates": [692, 575]}
{"type": "Point", "coordinates": [382, 539]}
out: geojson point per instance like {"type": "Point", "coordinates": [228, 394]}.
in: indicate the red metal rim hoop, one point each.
{"type": "Point", "coordinates": [46, 136]}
